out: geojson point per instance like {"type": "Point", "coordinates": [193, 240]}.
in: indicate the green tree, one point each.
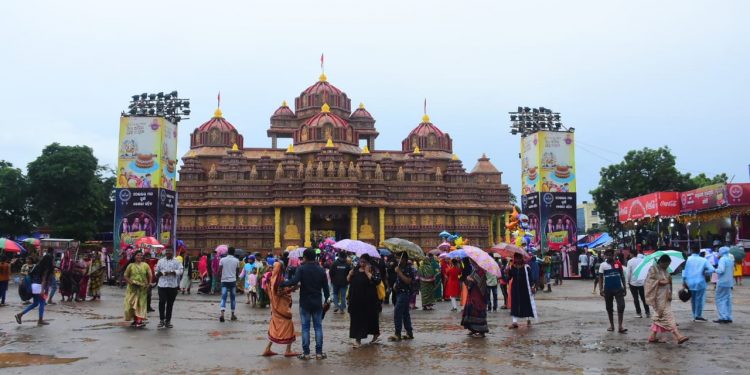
{"type": "Point", "coordinates": [67, 191]}
{"type": "Point", "coordinates": [641, 172]}
{"type": "Point", "coordinates": [701, 180]}
{"type": "Point", "coordinates": [14, 201]}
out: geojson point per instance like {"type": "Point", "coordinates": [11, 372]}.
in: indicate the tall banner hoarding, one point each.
{"type": "Point", "coordinates": [147, 155]}
{"type": "Point", "coordinates": [558, 214]}
{"type": "Point", "coordinates": [548, 163]}
{"type": "Point", "coordinates": [144, 212]}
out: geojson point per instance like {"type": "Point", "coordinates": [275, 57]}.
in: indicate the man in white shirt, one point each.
{"type": "Point", "coordinates": [228, 267]}
{"type": "Point", "coordinates": [169, 271]}
{"type": "Point", "coordinates": [636, 286]}
{"type": "Point", "coordinates": [583, 265]}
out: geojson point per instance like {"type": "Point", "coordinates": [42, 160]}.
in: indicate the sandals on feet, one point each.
{"type": "Point", "coordinates": [682, 340]}
{"type": "Point", "coordinates": [513, 326]}
{"type": "Point", "coordinates": [269, 354]}
{"type": "Point", "coordinates": [394, 338]}
{"type": "Point", "coordinates": [624, 330]}
{"type": "Point", "coordinates": [321, 356]}
{"type": "Point", "coordinates": [304, 357]}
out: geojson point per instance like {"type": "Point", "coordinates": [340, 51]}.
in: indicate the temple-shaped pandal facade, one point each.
{"type": "Point", "coordinates": [325, 185]}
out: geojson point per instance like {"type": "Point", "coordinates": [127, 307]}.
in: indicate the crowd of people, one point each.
{"type": "Point", "coordinates": [360, 286]}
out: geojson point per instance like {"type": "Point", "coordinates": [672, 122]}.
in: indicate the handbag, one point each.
{"type": "Point", "coordinates": [380, 288]}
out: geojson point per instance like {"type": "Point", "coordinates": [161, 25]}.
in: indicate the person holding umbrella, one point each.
{"type": "Point", "coordinates": [401, 316]}
{"type": "Point", "coordinates": [474, 317]}
{"type": "Point", "coordinates": [658, 287]}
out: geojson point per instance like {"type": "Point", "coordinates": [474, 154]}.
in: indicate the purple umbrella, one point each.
{"type": "Point", "coordinates": [358, 248]}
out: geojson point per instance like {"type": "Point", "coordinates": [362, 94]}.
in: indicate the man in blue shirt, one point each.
{"type": "Point", "coordinates": [724, 286]}
{"type": "Point", "coordinates": [694, 276]}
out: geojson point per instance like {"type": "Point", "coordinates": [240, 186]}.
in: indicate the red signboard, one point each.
{"type": "Point", "coordinates": [663, 204]}
{"type": "Point", "coordinates": [738, 194]}
{"type": "Point", "coordinates": [705, 198]}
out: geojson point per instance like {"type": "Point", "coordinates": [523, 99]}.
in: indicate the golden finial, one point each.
{"type": "Point", "coordinates": [329, 144]}
{"type": "Point", "coordinates": [366, 150]}
{"type": "Point", "coordinates": [425, 118]}
{"type": "Point", "coordinates": [455, 157]}
{"type": "Point", "coordinates": [235, 148]}
{"type": "Point", "coordinates": [283, 104]}
{"type": "Point", "coordinates": [325, 108]}
{"type": "Point", "coordinates": [416, 150]}
{"type": "Point", "coordinates": [322, 77]}
{"type": "Point", "coordinates": [290, 149]}
{"type": "Point", "coordinates": [218, 113]}
{"type": "Point", "coordinates": [361, 105]}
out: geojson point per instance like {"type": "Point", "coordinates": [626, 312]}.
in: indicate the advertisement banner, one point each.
{"type": "Point", "coordinates": [705, 198]}
{"type": "Point", "coordinates": [665, 204]}
{"type": "Point", "coordinates": [530, 180]}
{"type": "Point", "coordinates": [147, 155]}
{"type": "Point", "coordinates": [136, 213]}
{"type": "Point", "coordinates": [167, 215]}
{"type": "Point", "coordinates": [558, 220]}
{"type": "Point", "coordinates": [738, 194]}
{"type": "Point", "coordinates": [530, 208]}
{"type": "Point", "coordinates": [557, 162]}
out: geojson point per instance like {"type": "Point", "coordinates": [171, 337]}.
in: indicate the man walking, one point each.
{"type": "Point", "coordinates": [402, 288]}
{"type": "Point", "coordinates": [724, 286]}
{"type": "Point", "coordinates": [694, 276]}
{"type": "Point", "coordinates": [312, 279]}
{"type": "Point", "coordinates": [168, 271]}
{"type": "Point", "coordinates": [612, 287]}
{"type": "Point", "coordinates": [636, 286]}
{"type": "Point", "coordinates": [583, 264]}
{"type": "Point", "coordinates": [338, 274]}
{"type": "Point", "coordinates": [228, 266]}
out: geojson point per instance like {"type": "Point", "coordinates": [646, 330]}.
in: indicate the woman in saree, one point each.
{"type": "Point", "coordinates": [364, 305]}
{"type": "Point", "coordinates": [96, 277]}
{"type": "Point", "coordinates": [204, 287]}
{"type": "Point", "coordinates": [260, 271]}
{"type": "Point", "coordinates": [83, 270]}
{"type": "Point", "coordinates": [67, 286]}
{"type": "Point", "coordinates": [281, 327]}
{"type": "Point", "coordinates": [438, 279]}
{"type": "Point", "coordinates": [427, 283]}
{"type": "Point", "coordinates": [658, 288]}
{"type": "Point", "coordinates": [474, 317]}
{"type": "Point", "coordinates": [138, 277]}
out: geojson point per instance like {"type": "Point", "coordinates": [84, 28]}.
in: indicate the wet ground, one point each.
{"type": "Point", "coordinates": [570, 338]}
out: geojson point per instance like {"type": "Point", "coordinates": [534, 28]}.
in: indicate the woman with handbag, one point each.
{"type": "Point", "coordinates": [364, 305]}
{"type": "Point", "coordinates": [38, 277]}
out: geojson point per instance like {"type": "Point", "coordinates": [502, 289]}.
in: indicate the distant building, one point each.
{"type": "Point", "coordinates": [588, 217]}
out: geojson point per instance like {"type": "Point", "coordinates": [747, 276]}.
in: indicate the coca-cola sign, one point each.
{"type": "Point", "coordinates": [663, 204]}
{"type": "Point", "coordinates": [738, 194]}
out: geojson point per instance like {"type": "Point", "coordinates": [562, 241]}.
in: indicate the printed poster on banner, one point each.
{"type": "Point", "coordinates": [136, 213]}
{"type": "Point", "coordinates": [558, 214]}
{"type": "Point", "coordinates": [530, 180]}
{"type": "Point", "coordinates": [557, 162]}
{"type": "Point", "coordinates": [530, 208]}
{"type": "Point", "coordinates": [705, 198]}
{"type": "Point", "coordinates": [147, 153]}
{"type": "Point", "coordinates": [167, 217]}
{"type": "Point", "coordinates": [739, 194]}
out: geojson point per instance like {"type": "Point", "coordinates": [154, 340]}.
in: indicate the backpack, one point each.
{"type": "Point", "coordinates": [612, 279]}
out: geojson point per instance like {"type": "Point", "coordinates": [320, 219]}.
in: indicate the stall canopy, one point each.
{"type": "Point", "coordinates": [661, 204]}
{"type": "Point", "coordinates": [596, 240]}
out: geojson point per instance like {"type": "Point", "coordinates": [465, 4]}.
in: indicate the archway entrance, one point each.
{"type": "Point", "coordinates": [329, 222]}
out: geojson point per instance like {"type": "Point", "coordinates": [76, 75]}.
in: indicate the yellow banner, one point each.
{"type": "Point", "coordinates": [147, 156]}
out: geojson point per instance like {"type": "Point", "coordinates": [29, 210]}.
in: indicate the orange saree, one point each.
{"type": "Point", "coordinates": [281, 328]}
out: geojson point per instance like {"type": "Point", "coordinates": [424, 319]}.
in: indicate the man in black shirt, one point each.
{"type": "Point", "coordinates": [338, 273]}
{"type": "Point", "coordinates": [312, 279]}
{"type": "Point", "coordinates": [402, 289]}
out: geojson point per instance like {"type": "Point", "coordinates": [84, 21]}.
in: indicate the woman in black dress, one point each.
{"type": "Point", "coordinates": [364, 305]}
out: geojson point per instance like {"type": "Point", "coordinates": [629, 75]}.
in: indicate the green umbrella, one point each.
{"type": "Point", "coordinates": [399, 245]}
{"type": "Point", "coordinates": [676, 258]}
{"type": "Point", "coordinates": [738, 253]}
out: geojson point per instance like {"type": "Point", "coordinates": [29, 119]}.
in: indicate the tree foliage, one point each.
{"type": "Point", "coordinates": [14, 202]}
{"type": "Point", "coordinates": [69, 192]}
{"type": "Point", "coordinates": [642, 172]}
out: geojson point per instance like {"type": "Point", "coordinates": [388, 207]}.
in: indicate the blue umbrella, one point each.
{"type": "Point", "coordinates": [460, 253]}
{"type": "Point", "coordinates": [444, 234]}
{"type": "Point", "coordinates": [385, 252]}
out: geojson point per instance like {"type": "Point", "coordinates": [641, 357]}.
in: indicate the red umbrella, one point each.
{"type": "Point", "coordinates": [9, 246]}
{"type": "Point", "coordinates": [146, 241]}
{"type": "Point", "coordinates": [507, 250]}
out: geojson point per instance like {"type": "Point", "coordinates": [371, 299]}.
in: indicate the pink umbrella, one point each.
{"type": "Point", "coordinates": [436, 251]}
{"type": "Point", "coordinates": [221, 250]}
{"type": "Point", "coordinates": [482, 259]}
{"type": "Point", "coordinates": [445, 246]}
{"type": "Point", "coordinates": [358, 248]}
{"type": "Point", "coordinates": [507, 250]}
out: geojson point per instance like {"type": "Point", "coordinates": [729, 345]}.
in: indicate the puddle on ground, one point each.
{"type": "Point", "coordinates": [24, 359]}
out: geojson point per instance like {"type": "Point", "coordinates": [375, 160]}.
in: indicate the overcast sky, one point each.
{"type": "Point", "coordinates": [625, 74]}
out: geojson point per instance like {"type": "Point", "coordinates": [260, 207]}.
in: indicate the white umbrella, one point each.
{"type": "Point", "coordinates": [676, 257]}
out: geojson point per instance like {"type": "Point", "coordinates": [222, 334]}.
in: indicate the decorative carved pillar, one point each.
{"type": "Point", "coordinates": [353, 230]}
{"type": "Point", "coordinates": [308, 243]}
{"type": "Point", "coordinates": [381, 213]}
{"type": "Point", "coordinates": [499, 236]}
{"type": "Point", "coordinates": [273, 141]}
{"type": "Point", "coordinates": [277, 227]}
{"type": "Point", "coordinates": [507, 232]}
{"type": "Point", "coordinates": [490, 219]}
